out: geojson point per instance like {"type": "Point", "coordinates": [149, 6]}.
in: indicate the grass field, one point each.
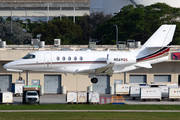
{"type": "Point", "coordinates": [89, 115]}
{"type": "Point", "coordinates": [88, 107]}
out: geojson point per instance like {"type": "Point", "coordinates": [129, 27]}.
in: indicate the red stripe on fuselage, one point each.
{"type": "Point", "coordinates": [156, 55]}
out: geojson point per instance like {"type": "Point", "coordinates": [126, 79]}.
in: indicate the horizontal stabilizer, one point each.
{"type": "Point", "coordinates": [14, 70]}
{"type": "Point", "coordinates": [144, 65]}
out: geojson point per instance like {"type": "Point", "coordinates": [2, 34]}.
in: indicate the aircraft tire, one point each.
{"type": "Point", "coordinates": [20, 78]}
{"type": "Point", "coordinates": [94, 80]}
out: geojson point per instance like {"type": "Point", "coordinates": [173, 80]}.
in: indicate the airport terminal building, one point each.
{"type": "Point", "coordinates": [56, 83]}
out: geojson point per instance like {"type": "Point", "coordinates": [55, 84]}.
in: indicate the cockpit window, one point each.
{"type": "Point", "coordinates": [29, 56]}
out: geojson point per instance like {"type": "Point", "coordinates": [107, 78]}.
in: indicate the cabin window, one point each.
{"type": "Point", "coordinates": [63, 58]}
{"type": "Point", "coordinates": [58, 58]}
{"type": "Point", "coordinates": [81, 58]}
{"type": "Point", "coordinates": [69, 58]}
{"type": "Point", "coordinates": [29, 56]}
{"type": "Point", "coordinates": [75, 58]}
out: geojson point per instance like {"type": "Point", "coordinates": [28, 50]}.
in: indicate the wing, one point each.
{"type": "Point", "coordinates": [106, 70]}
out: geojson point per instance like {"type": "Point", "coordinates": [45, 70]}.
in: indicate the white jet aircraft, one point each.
{"type": "Point", "coordinates": [94, 63]}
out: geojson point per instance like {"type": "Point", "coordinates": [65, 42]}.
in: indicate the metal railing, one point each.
{"type": "Point", "coordinates": [44, 1]}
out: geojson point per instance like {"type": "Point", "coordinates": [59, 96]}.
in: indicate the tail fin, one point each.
{"type": "Point", "coordinates": [157, 43]}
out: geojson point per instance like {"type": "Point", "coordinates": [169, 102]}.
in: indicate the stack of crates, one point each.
{"type": "Point", "coordinates": [117, 100]}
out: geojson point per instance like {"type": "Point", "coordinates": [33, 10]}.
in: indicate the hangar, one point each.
{"type": "Point", "coordinates": [56, 83]}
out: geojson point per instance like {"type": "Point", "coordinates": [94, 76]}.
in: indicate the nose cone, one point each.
{"type": "Point", "coordinates": [7, 65]}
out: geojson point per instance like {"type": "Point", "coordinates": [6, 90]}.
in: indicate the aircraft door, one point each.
{"type": "Point", "coordinates": [47, 60]}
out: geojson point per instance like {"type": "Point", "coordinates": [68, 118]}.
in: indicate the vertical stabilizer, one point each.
{"type": "Point", "coordinates": [160, 39]}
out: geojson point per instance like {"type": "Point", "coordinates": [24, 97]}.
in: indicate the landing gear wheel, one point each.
{"type": "Point", "coordinates": [94, 80]}
{"type": "Point", "coordinates": [20, 78]}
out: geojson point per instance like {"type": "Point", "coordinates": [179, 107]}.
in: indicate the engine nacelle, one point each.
{"type": "Point", "coordinates": [120, 59]}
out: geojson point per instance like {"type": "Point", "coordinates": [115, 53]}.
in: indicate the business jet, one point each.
{"type": "Point", "coordinates": [94, 63]}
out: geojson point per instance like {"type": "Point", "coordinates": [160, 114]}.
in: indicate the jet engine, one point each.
{"type": "Point", "coordinates": [94, 80]}
{"type": "Point", "coordinates": [120, 59]}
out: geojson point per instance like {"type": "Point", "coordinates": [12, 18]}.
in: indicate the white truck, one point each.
{"type": "Point", "coordinates": [32, 97]}
{"type": "Point", "coordinates": [31, 94]}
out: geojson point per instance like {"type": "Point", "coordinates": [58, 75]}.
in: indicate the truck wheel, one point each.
{"type": "Point", "coordinates": [144, 100]}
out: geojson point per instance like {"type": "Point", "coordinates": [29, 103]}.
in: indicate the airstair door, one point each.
{"type": "Point", "coordinates": [47, 60]}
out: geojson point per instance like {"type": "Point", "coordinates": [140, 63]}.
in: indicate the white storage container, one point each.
{"type": "Point", "coordinates": [6, 97]}
{"type": "Point", "coordinates": [71, 97]}
{"type": "Point", "coordinates": [17, 88]}
{"type": "Point", "coordinates": [174, 93]}
{"type": "Point", "coordinates": [150, 93]}
{"type": "Point", "coordinates": [164, 91]}
{"type": "Point", "coordinates": [82, 97]}
{"type": "Point", "coordinates": [93, 97]}
{"type": "Point", "coordinates": [122, 89]}
{"type": "Point", "coordinates": [135, 91]}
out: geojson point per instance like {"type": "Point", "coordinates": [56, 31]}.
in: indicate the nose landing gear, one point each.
{"type": "Point", "coordinates": [20, 78]}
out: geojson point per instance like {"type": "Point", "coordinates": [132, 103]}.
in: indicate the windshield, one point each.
{"type": "Point", "coordinates": [29, 56]}
{"type": "Point", "coordinates": [32, 93]}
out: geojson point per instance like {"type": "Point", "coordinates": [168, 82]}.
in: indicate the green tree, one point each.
{"type": "Point", "coordinates": [89, 23]}
{"type": "Point", "coordinates": [65, 29]}
{"type": "Point", "coordinates": [138, 23]}
{"type": "Point", "coordinates": [18, 36]}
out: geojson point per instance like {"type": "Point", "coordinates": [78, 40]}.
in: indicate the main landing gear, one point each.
{"type": "Point", "coordinates": [94, 80]}
{"type": "Point", "coordinates": [20, 78]}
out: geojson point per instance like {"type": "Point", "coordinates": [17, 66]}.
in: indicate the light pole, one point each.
{"type": "Point", "coordinates": [42, 13]}
{"type": "Point", "coordinates": [116, 34]}
{"type": "Point", "coordinates": [74, 14]}
{"type": "Point", "coordinates": [48, 11]}
{"type": "Point", "coordinates": [60, 12]}
{"type": "Point", "coordinates": [26, 15]}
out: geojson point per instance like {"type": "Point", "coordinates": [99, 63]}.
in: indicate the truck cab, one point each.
{"type": "Point", "coordinates": [31, 94]}
{"type": "Point", "coordinates": [32, 97]}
